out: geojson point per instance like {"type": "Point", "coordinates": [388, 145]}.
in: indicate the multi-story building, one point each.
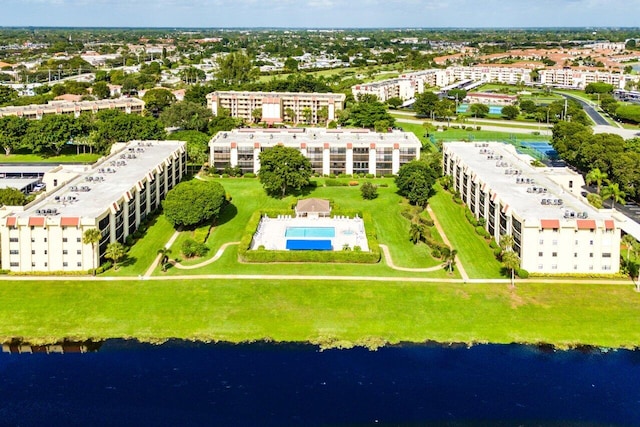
{"type": "Point", "coordinates": [553, 228]}
{"type": "Point", "coordinates": [114, 196]}
{"type": "Point", "coordinates": [276, 106]}
{"type": "Point", "coordinates": [36, 111]}
{"type": "Point", "coordinates": [352, 151]}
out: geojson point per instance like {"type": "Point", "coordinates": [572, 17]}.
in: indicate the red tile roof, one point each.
{"type": "Point", "coordinates": [549, 223]}
{"type": "Point", "coordinates": [69, 221]}
{"type": "Point", "coordinates": [608, 224]}
{"type": "Point", "coordinates": [586, 224]}
{"type": "Point", "coordinates": [11, 221]}
{"type": "Point", "coordinates": [36, 221]}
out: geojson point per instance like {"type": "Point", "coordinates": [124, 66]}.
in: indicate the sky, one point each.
{"type": "Point", "coordinates": [320, 13]}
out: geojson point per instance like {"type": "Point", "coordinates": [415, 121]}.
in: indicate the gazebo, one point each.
{"type": "Point", "coordinates": [313, 208]}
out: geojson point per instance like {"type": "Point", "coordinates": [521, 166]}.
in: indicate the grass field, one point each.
{"type": "Point", "coordinates": [35, 158]}
{"type": "Point", "coordinates": [248, 196]}
{"type": "Point", "coordinates": [331, 313]}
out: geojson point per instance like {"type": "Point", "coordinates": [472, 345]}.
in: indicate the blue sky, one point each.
{"type": "Point", "coordinates": [320, 13]}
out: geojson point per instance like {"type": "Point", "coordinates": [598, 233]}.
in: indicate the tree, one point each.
{"type": "Point", "coordinates": [197, 145]}
{"type": "Point", "coordinates": [12, 197]}
{"type": "Point", "coordinates": [12, 132]}
{"type": "Point", "coordinates": [236, 69]}
{"type": "Point", "coordinates": [92, 237]}
{"type": "Point", "coordinates": [115, 126]}
{"type": "Point", "coordinates": [115, 252]}
{"type": "Point", "coordinates": [613, 192]}
{"type": "Point", "coordinates": [511, 261]}
{"type": "Point", "coordinates": [291, 115]}
{"type": "Point", "coordinates": [394, 102]}
{"type": "Point", "coordinates": [186, 115]}
{"type": "Point", "coordinates": [416, 232]}
{"type": "Point", "coordinates": [457, 94]}
{"type": "Point", "coordinates": [307, 114]}
{"type": "Point", "coordinates": [101, 90]}
{"type": "Point", "coordinates": [479, 110]}
{"type": "Point", "coordinates": [528, 106]}
{"type": "Point", "coordinates": [164, 257]}
{"type": "Point", "coordinates": [369, 191]}
{"type": "Point", "coordinates": [256, 115]}
{"type": "Point", "coordinates": [510, 112]}
{"type": "Point", "coordinates": [595, 175]}
{"type": "Point", "coordinates": [425, 104]}
{"type": "Point", "coordinates": [506, 242]}
{"type": "Point", "coordinates": [598, 87]}
{"type": "Point", "coordinates": [449, 257]}
{"type": "Point", "coordinates": [282, 168]}
{"type": "Point", "coordinates": [291, 64]}
{"type": "Point", "coordinates": [7, 95]}
{"type": "Point", "coordinates": [194, 202]}
{"type": "Point", "coordinates": [323, 114]}
{"type": "Point", "coordinates": [156, 100]}
{"type": "Point", "coordinates": [367, 111]}
{"type": "Point", "coordinates": [628, 240]}
{"type": "Point", "coordinates": [415, 181]}
{"type": "Point", "coordinates": [51, 133]}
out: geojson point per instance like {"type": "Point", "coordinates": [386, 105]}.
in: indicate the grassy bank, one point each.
{"type": "Point", "coordinates": [327, 312]}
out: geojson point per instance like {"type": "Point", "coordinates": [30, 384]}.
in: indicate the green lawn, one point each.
{"type": "Point", "coordinates": [474, 253]}
{"type": "Point", "coordinates": [248, 196]}
{"type": "Point", "coordinates": [326, 312]}
{"type": "Point", "coordinates": [35, 158]}
{"type": "Point", "coordinates": [418, 130]}
{"type": "Point", "coordinates": [483, 135]}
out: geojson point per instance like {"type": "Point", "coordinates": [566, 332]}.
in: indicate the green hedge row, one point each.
{"type": "Point", "coordinates": [356, 257]}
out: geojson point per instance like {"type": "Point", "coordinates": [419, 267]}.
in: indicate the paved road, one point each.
{"type": "Point", "coordinates": [597, 118]}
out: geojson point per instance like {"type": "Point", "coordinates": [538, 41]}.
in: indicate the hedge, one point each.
{"type": "Point", "coordinates": [261, 255]}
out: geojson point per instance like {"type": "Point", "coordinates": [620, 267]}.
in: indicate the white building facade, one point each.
{"type": "Point", "coordinates": [554, 230]}
{"type": "Point", "coordinates": [113, 196]}
{"type": "Point", "coordinates": [353, 151]}
{"type": "Point", "coordinates": [37, 111]}
{"type": "Point", "coordinates": [274, 106]}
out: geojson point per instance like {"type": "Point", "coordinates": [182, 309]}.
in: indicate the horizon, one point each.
{"type": "Point", "coordinates": [319, 14]}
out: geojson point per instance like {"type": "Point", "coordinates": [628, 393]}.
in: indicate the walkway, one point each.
{"type": "Point", "coordinates": [389, 261]}
{"type": "Point", "coordinates": [446, 241]}
{"type": "Point", "coordinates": [207, 262]}
{"type": "Point", "coordinates": [156, 261]}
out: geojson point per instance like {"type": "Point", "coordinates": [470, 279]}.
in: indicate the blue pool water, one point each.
{"type": "Point", "coordinates": [493, 109]}
{"type": "Point", "coordinates": [310, 232]}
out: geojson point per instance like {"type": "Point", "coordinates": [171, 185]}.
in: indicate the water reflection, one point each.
{"type": "Point", "coordinates": [18, 347]}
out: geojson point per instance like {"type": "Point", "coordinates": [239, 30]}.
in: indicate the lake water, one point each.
{"type": "Point", "coordinates": [182, 383]}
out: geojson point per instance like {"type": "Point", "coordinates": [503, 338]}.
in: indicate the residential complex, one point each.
{"type": "Point", "coordinates": [37, 111]}
{"type": "Point", "coordinates": [276, 107]}
{"type": "Point", "coordinates": [554, 229]}
{"type": "Point", "coordinates": [408, 85]}
{"type": "Point", "coordinates": [352, 151]}
{"type": "Point", "coordinates": [114, 196]}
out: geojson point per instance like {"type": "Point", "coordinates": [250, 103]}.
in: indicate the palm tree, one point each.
{"type": "Point", "coordinates": [416, 233]}
{"type": "Point", "coordinates": [511, 261]}
{"type": "Point", "coordinates": [506, 242]}
{"type": "Point", "coordinates": [115, 252]}
{"type": "Point", "coordinates": [597, 176]}
{"type": "Point", "coordinates": [165, 257]}
{"type": "Point", "coordinates": [628, 240]}
{"type": "Point", "coordinates": [449, 256]}
{"type": "Point", "coordinates": [613, 192]}
{"type": "Point", "coordinates": [290, 114]}
{"type": "Point", "coordinates": [92, 237]}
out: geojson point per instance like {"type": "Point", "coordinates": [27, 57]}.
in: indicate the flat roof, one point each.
{"type": "Point", "coordinates": [315, 136]}
{"type": "Point", "coordinates": [341, 96]}
{"type": "Point", "coordinates": [485, 163]}
{"type": "Point", "coordinates": [72, 105]}
{"type": "Point", "coordinates": [15, 168]}
{"type": "Point", "coordinates": [107, 181]}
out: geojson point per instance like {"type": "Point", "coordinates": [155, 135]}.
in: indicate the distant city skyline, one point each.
{"type": "Point", "coordinates": [320, 13]}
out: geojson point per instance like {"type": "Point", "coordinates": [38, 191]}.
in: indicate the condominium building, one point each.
{"type": "Point", "coordinates": [114, 196]}
{"type": "Point", "coordinates": [351, 151]}
{"type": "Point", "coordinates": [276, 107]}
{"type": "Point", "coordinates": [37, 111]}
{"type": "Point", "coordinates": [553, 228]}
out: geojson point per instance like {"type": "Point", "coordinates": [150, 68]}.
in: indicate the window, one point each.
{"type": "Point", "coordinates": [45, 240]}
{"type": "Point", "coordinates": [539, 266]}
{"type": "Point", "coordinates": [576, 242]}
{"type": "Point", "coordinates": [13, 252]}
{"type": "Point", "coordinates": [541, 241]}
{"type": "Point", "coordinates": [575, 254]}
{"type": "Point", "coordinates": [45, 251]}
{"type": "Point", "coordinates": [13, 240]}
{"type": "Point", "coordinates": [591, 242]}
{"type": "Point", "coordinates": [14, 264]}
{"type": "Point", "coordinates": [46, 264]}
{"type": "Point", "coordinates": [555, 242]}
{"type": "Point", "coordinates": [606, 267]}
{"type": "Point", "coordinates": [33, 251]}
{"type": "Point", "coordinates": [554, 254]}
{"type": "Point", "coordinates": [65, 252]}
{"type": "Point", "coordinates": [79, 252]}
{"type": "Point", "coordinates": [591, 267]}
{"type": "Point", "coordinates": [575, 266]}
{"type": "Point", "coordinates": [554, 267]}
{"type": "Point", "coordinates": [65, 264]}
{"type": "Point", "coordinates": [64, 240]}
{"type": "Point", "coordinates": [540, 253]}
{"type": "Point", "coordinates": [590, 254]}
{"type": "Point", "coordinates": [570, 184]}
{"type": "Point", "coordinates": [79, 264]}
{"type": "Point", "coordinates": [33, 240]}
{"type": "Point", "coordinates": [606, 255]}
{"type": "Point", "coordinates": [33, 264]}
{"type": "Point", "coordinates": [78, 240]}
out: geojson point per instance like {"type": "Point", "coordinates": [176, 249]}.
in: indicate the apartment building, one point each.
{"type": "Point", "coordinates": [37, 111]}
{"type": "Point", "coordinates": [351, 151]}
{"type": "Point", "coordinates": [554, 229]}
{"type": "Point", "coordinates": [114, 196]}
{"type": "Point", "coordinates": [276, 106]}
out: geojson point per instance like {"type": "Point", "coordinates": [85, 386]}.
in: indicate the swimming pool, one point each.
{"type": "Point", "coordinates": [493, 109]}
{"type": "Point", "coordinates": [310, 232]}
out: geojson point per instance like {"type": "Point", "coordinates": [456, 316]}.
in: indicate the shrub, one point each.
{"type": "Point", "coordinates": [478, 127]}
{"type": "Point", "coordinates": [334, 183]}
{"type": "Point", "coordinates": [493, 244]}
{"type": "Point", "coordinates": [384, 185]}
{"type": "Point", "coordinates": [369, 176]}
{"type": "Point", "coordinates": [595, 200]}
{"type": "Point", "coordinates": [344, 175]}
{"type": "Point", "coordinates": [104, 267]}
{"type": "Point", "coordinates": [249, 175]}
{"type": "Point", "coordinates": [224, 175]}
{"type": "Point", "coordinates": [407, 214]}
{"type": "Point", "coordinates": [369, 191]}
{"type": "Point", "coordinates": [522, 273]}
{"type": "Point", "coordinates": [353, 183]}
{"type": "Point", "coordinates": [435, 252]}
{"type": "Point", "coordinates": [497, 252]}
{"type": "Point", "coordinates": [191, 248]}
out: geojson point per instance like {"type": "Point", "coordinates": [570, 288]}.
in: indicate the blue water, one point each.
{"type": "Point", "coordinates": [310, 232]}
{"type": "Point", "coordinates": [493, 109]}
{"type": "Point", "coordinates": [183, 383]}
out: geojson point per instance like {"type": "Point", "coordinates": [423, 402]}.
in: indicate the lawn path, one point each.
{"type": "Point", "coordinates": [156, 261]}
{"type": "Point", "coordinates": [389, 261]}
{"type": "Point", "coordinates": [207, 262]}
{"type": "Point", "coordinates": [461, 269]}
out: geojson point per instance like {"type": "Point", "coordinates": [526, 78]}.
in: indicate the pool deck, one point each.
{"type": "Point", "coordinates": [271, 232]}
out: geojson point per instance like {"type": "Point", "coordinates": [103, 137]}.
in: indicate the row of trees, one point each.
{"type": "Point", "coordinates": [614, 158]}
